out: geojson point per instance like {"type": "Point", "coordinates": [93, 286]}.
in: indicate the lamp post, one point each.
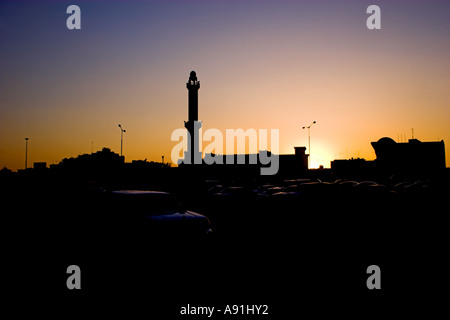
{"type": "Point", "coordinates": [309, 141]}
{"type": "Point", "coordinates": [26, 151]}
{"type": "Point", "coordinates": [121, 138]}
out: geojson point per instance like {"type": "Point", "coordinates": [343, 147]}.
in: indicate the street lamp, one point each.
{"type": "Point", "coordinates": [26, 151]}
{"type": "Point", "coordinates": [309, 141]}
{"type": "Point", "coordinates": [121, 138]}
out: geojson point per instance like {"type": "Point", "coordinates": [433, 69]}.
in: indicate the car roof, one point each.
{"type": "Point", "coordinates": [138, 192]}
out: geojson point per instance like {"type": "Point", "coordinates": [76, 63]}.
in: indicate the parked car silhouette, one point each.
{"type": "Point", "coordinates": [156, 214]}
{"type": "Point", "coordinates": [234, 192]}
{"type": "Point", "coordinates": [289, 191]}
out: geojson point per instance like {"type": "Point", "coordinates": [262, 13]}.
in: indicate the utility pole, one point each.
{"type": "Point", "coordinates": [121, 138]}
{"type": "Point", "coordinates": [309, 142]}
{"type": "Point", "coordinates": [26, 151]}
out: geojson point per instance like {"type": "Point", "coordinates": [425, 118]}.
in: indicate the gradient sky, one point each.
{"type": "Point", "coordinates": [261, 64]}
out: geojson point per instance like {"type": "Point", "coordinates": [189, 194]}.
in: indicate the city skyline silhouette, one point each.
{"type": "Point", "coordinates": [309, 62]}
{"type": "Point", "coordinates": [330, 200]}
{"type": "Point", "coordinates": [408, 158]}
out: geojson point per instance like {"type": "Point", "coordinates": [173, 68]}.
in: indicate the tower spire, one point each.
{"type": "Point", "coordinates": [193, 155]}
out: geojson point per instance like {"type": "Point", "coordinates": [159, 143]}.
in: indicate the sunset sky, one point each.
{"type": "Point", "coordinates": [261, 64]}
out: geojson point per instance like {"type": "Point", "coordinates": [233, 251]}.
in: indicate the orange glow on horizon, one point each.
{"type": "Point", "coordinates": [257, 70]}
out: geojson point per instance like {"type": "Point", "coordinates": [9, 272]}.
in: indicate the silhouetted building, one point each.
{"type": "Point", "coordinates": [5, 171]}
{"type": "Point", "coordinates": [101, 160]}
{"type": "Point", "coordinates": [193, 125]}
{"type": "Point", "coordinates": [413, 156]}
{"type": "Point", "coordinates": [251, 164]}
{"type": "Point", "coordinates": [294, 163]}
{"type": "Point", "coordinates": [40, 165]}
{"type": "Point", "coordinates": [352, 166]}
{"type": "Point", "coordinates": [144, 164]}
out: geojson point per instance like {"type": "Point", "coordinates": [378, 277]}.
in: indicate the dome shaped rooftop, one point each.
{"type": "Point", "coordinates": [386, 140]}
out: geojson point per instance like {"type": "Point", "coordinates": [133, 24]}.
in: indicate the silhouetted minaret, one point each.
{"type": "Point", "coordinates": [193, 85]}
{"type": "Point", "coordinates": [193, 125]}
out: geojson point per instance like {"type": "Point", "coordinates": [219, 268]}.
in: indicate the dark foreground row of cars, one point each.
{"type": "Point", "coordinates": [160, 214]}
{"type": "Point", "coordinates": [154, 213]}
{"type": "Point", "coordinates": [299, 187]}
